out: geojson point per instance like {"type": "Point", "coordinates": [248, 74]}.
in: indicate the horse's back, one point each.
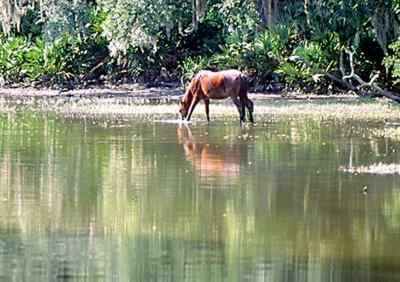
{"type": "Point", "coordinates": [221, 84]}
{"type": "Point", "coordinates": [234, 81]}
{"type": "Point", "coordinates": [231, 74]}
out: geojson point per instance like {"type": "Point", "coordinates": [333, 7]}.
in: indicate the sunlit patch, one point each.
{"type": "Point", "coordinates": [378, 168]}
{"type": "Point", "coordinates": [174, 121]}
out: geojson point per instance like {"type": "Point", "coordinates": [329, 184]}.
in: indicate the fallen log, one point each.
{"type": "Point", "coordinates": [346, 81]}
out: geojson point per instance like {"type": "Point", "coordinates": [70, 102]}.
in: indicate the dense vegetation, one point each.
{"type": "Point", "coordinates": [306, 44]}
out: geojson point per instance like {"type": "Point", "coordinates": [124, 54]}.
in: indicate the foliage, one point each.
{"type": "Point", "coordinates": [141, 23]}
{"type": "Point", "coordinates": [392, 62]}
{"type": "Point", "coordinates": [56, 41]}
{"type": "Point", "coordinates": [191, 65]}
{"type": "Point", "coordinates": [23, 60]}
{"type": "Point", "coordinates": [12, 56]}
{"type": "Point", "coordinates": [31, 24]}
{"type": "Point", "coordinates": [65, 17]}
{"type": "Point", "coordinates": [308, 59]}
{"type": "Point", "coordinates": [258, 56]}
{"type": "Point", "coordinates": [239, 16]}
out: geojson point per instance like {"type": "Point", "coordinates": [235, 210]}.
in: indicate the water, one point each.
{"type": "Point", "coordinates": [99, 199]}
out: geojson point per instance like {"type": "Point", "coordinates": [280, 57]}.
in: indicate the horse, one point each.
{"type": "Point", "coordinates": [207, 85]}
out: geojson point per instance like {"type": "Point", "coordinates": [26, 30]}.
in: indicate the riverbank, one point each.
{"type": "Point", "coordinates": [135, 101]}
{"type": "Point", "coordinates": [141, 91]}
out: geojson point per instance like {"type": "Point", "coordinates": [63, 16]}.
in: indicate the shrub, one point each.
{"type": "Point", "coordinates": [259, 56]}
{"type": "Point", "coordinates": [392, 62]}
{"type": "Point", "coordinates": [190, 66]}
{"type": "Point", "coordinates": [12, 57]}
{"type": "Point", "coordinates": [307, 59]}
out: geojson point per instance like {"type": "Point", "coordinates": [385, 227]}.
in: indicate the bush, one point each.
{"type": "Point", "coordinates": [26, 59]}
{"type": "Point", "coordinates": [307, 59]}
{"type": "Point", "coordinates": [22, 60]}
{"type": "Point", "coordinates": [259, 56]}
{"type": "Point", "coordinates": [392, 62]}
{"type": "Point", "coordinates": [190, 66]}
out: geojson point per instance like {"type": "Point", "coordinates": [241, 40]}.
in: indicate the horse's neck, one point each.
{"type": "Point", "coordinates": [188, 96]}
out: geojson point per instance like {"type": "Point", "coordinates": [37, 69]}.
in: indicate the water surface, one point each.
{"type": "Point", "coordinates": [99, 199]}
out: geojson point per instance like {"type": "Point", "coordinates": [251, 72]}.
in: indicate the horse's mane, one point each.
{"type": "Point", "coordinates": [192, 88]}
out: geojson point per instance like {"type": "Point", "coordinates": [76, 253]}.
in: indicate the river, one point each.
{"type": "Point", "coordinates": [106, 197]}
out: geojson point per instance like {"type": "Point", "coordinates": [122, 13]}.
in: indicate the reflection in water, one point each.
{"type": "Point", "coordinates": [80, 201]}
{"type": "Point", "coordinates": [218, 163]}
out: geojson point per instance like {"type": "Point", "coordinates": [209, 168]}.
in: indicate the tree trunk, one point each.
{"type": "Point", "coordinates": [194, 15]}
{"type": "Point", "coordinates": [268, 11]}
{"type": "Point", "coordinates": [275, 11]}
{"type": "Point", "coordinates": [307, 12]}
{"type": "Point", "coordinates": [199, 10]}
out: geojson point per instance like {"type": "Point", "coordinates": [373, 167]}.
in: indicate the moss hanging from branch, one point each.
{"type": "Point", "coordinates": [11, 12]}
{"type": "Point", "coordinates": [385, 26]}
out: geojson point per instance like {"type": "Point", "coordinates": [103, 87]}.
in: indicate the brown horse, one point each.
{"type": "Point", "coordinates": [207, 85]}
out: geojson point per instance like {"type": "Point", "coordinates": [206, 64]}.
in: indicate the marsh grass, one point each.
{"type": "Point", "coordinates": [381, 111]}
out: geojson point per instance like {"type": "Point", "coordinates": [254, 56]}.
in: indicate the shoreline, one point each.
{"type": "Point", "coordinates": [150, 104]}
{"type": "Point", "coordinates": [168, 93]}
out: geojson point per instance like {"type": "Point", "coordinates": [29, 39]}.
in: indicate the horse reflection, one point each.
{"type": "Point", "coordinates": [213, 162]}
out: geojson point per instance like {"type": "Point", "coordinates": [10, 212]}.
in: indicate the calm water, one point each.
{"type": "Point", "coordinates": [99, 200]}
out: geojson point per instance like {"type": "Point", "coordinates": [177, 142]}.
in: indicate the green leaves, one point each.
{"type": "Point", "coordinates": [12, 56]}
{"type": "Point", "coordinates": [392, 62]}
{"type": "Point", "coordinates": [191, 66]}
{"type": "Point", "coordinates": [259, 56]}
{"type": "Point", "coordinates": [143, 23]}
{"type": "Point", "coordinates": [24, 61]}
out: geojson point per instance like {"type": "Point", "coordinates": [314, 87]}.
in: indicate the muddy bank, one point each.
{"type": "Point", "coordinates": [153, 93]}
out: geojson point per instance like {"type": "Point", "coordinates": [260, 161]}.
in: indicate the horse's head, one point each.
{"type": "Point", "coordinates": [185, 102]}
{"type": "Point", "coordinates": [183, 107]}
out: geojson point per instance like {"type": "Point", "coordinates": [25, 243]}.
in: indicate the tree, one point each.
{"type": "Point", "coordinates": [199, 10]}
{"type": "Point", "coordinates": [142, 23]}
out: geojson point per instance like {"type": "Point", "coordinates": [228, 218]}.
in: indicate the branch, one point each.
{"type": "Point", "coordinates": [351, 75]}
{"type": "Point", "coordinates": [346, 79]}
{"type": "Point", "coordinates": [100, 64]}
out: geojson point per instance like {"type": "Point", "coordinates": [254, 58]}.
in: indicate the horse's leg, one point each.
{"type": "Point", "coordinates": [250, 106]}
{"type": "Point", "coordinates": [243, 103]}
{"type": "Point", "coordinates": [207, 105]}
{"type": "Point", "coordinates": [246, 102]}
{"type": "Point", "coordinates": [239, 105]}
{"type": "Point", "coordinates": [192, 106]}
